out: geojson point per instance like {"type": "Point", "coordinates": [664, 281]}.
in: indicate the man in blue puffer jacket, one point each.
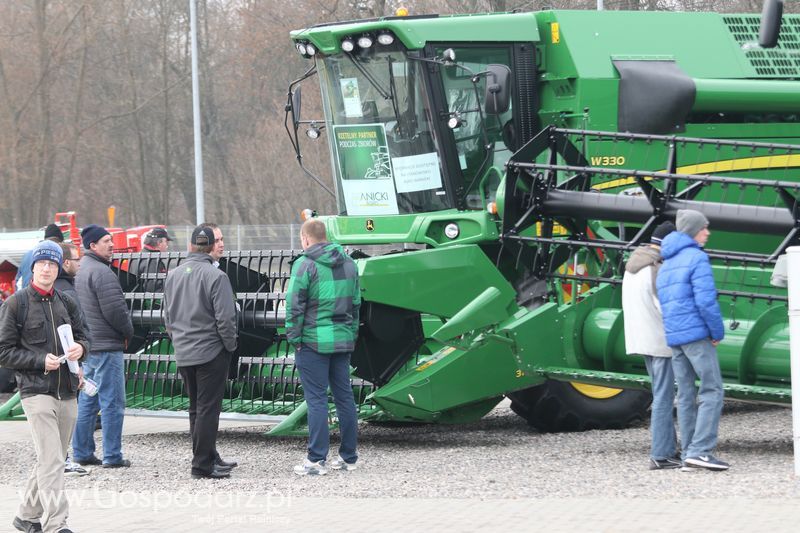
{"type": "Point", "coordinates": [693, 327]}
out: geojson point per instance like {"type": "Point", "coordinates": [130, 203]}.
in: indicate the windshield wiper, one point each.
{"type": "Point", "coordinates": [391, 95]}
{"type": "Point", "coordinates": [401, 129]}
{"type": "Point", "coordinates": [370, 78]}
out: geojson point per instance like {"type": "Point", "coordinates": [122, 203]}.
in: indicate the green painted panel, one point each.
{"type": "Point", "coordinates": [439, 282]}
{"type": "Point", "coordinates": [416, 32]}
{"type": "Point", "coordinates": [701, 43]}
{"type": "Point", "coordinates": [474, 227]}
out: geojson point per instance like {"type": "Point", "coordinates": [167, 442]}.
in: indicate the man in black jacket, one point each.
{"type": "Point", "coordinates": [30, 345]}
{"type": "Point", "coordinates": [65, 282]}
{"type": "Point", "coordinates": [110, 328]}
{"type": "Point", "coordinates": [65, 285]}
{"type": "Point", "coordinates": [148, 269]}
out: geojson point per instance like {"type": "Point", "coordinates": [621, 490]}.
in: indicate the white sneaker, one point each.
{"type": "Point", "coordinates": [307, 468]}
{"type": "Point", "coordinates": [340, 464]}
{"type": "Point", "coordinates": [75, 470]}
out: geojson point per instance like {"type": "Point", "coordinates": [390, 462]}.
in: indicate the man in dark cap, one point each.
{"type": "Point", "coordinates": [150, 271]}
{"type": "Point", "coordinates": [110, 328]}
{"type": "Point", "coordinates": [644, 335]}
{"type": "Point", "coordinates": [200, 317]}
{"type": "Point", "coordinates": [51, 233]}
{"type": "Point", "coordinates": [693, 327]}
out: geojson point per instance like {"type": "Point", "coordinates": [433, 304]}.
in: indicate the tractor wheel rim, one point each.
{"type": "Point", "coordinates": [596, 392]}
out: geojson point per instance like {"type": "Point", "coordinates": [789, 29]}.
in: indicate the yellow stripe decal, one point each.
{"type": "Point", "coordinates": [714, 167]}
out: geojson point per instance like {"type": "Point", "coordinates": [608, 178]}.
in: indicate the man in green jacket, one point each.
{"type": "Point", "coordinates": [322, 303]}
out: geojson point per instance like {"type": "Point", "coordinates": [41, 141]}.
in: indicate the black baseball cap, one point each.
{"type": "Point", "coordinates": [159, 233]}
{"type": "Point", "coordinates": [202, 236]}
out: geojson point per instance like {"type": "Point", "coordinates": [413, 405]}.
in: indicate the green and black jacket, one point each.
{"type": "Point", "coordinates": [323, 299]}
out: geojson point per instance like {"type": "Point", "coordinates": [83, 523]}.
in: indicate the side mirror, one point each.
{"type": "Point", "coordinates": [770, 27]}
{"type": "Point", "coordinates": [498, 95]}
{"type": "Point", "coordinates": [297, 101]}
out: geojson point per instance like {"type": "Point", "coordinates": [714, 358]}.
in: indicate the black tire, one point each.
{"type": "Point", "coordinates": [556, 406]}
{"type": "Point", "coordinates": [7, 381]}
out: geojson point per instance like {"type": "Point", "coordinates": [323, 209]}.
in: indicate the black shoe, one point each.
{"type": "Point", "coordinates": [665, 464]}
{"type": "Point", "coordinates": [64, 530]}
{"type": "Point", "coordinates": [216, 473]}
{"type": "Point", "coordinates": [226, 464]}
{"type": "Point", "coordinates": [122, 464]}
{"type": "Point", "coordinates": [91, 460]}
{"type": "Point", "coordinates": [26, 525]}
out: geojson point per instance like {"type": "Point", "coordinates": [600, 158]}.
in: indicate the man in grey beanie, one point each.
{"type": "Point", "coordinates": [693, 327]}
{"type": "Point", "coordinates": [691, 223]}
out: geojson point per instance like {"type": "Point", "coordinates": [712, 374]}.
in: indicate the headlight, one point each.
{"type": "Point", "coordinates": [451, 230]}
{"type": "Point", "coordinates": [348, 45]}
{"type": "Point", "coordinates": [301, 48]}
{"type": "Point", "coordinates": [365, 41]}
{"type": "Point", "coordinates": [311, 49]}
{"type": "Point", "coordinates": [313, 132]}
{"type": "Point", "coordinates": [385, 38]}
{"type": "Point", "coordinates": [454, 121]}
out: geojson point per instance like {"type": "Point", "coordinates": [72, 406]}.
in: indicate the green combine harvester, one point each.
{"type": "Point", "coordinates": [510, 162]}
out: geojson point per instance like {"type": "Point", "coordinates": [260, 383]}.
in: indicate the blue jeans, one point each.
{"type": "Point", "coordinates": [108, 371]}
{"type": "Point", "coordinates": [698, 411]}
{"type": "Point", "coordinates": [317, 371]}
{"type": "Point", "coordinates": [662, 425]}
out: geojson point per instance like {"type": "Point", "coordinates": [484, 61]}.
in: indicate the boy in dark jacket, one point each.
{"type": "Point", "coordinates": [29, 344]}
{"type": "Point", "coordinates": [65, 285]}
{"type": "Point", "coordinates": [322, 304]}
{"type": "Point", "coordinates": [693, 327]}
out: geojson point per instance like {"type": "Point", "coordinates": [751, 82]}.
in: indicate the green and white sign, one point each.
{"type": "Point", "coordinates": [365, 167]}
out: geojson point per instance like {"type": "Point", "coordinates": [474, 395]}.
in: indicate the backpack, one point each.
{"type": "Point", "coordinates": [22, 312]}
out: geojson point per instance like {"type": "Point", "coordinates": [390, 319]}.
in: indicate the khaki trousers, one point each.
{"type": "Point", "coordinates": [52, 422]}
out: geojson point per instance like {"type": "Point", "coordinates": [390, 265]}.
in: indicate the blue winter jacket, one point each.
{"type": "Point", "coordinates": [24, 272]}
{"type": "Point", "coordinates": [686, 291]}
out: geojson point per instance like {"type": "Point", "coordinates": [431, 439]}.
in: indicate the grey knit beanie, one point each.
{"type": "Point", "coordinates": [690, 222]}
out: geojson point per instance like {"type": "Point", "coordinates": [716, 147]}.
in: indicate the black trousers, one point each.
{"type": "Point", "coordinates": [205, 385]}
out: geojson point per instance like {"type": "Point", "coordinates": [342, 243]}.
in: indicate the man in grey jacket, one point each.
{"type": "Point", "coordinates": [110, 328]}
{"type": "Point", "coordinates": [200, 317]}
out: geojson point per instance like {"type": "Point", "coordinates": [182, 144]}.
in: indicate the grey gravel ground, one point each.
{"type": "Point", "coordinates": [498, 457]}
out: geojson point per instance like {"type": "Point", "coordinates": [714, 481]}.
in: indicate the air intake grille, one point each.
{"type": "Point", "coordinates": [783, 61]}
{"type": "Point", "coordinates": [525, 71]}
